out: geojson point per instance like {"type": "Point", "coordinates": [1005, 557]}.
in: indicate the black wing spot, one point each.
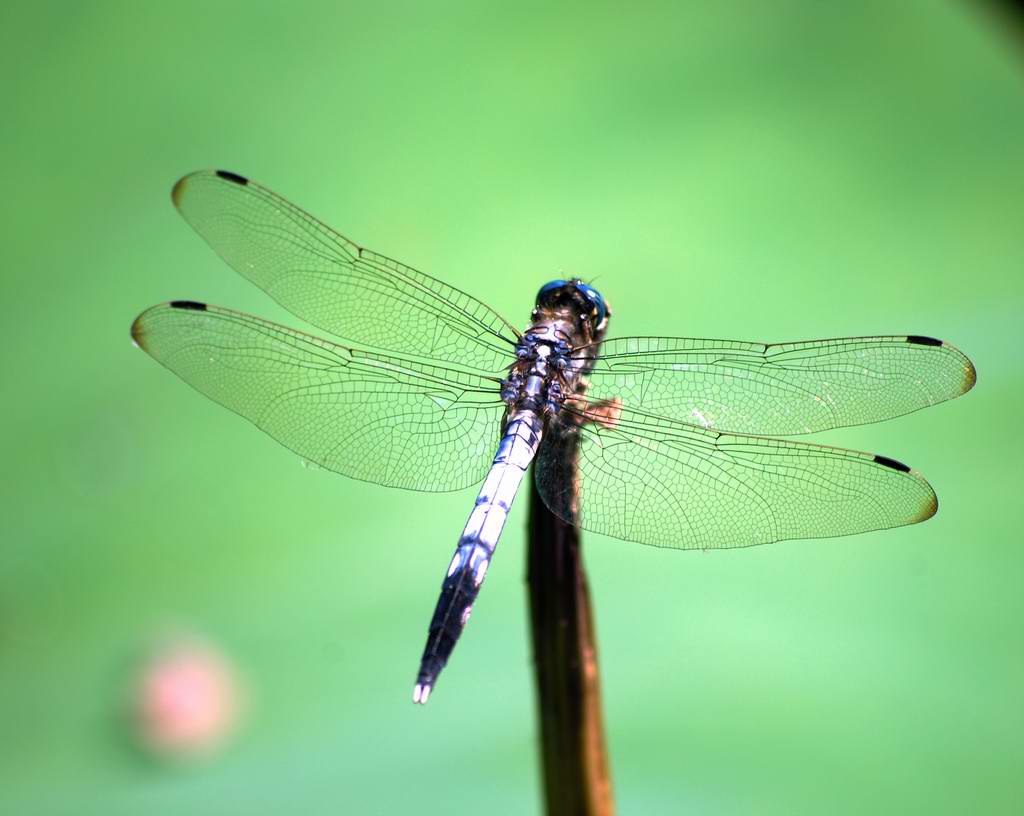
{"type": "Point", "coordinates": [188, 304]}
{"type": "Point", "coordinates": [892, 463]}
{"type": "Point", "coordinates": [227, 175]}
{"type": "Point", "coordinates": [917, 339]}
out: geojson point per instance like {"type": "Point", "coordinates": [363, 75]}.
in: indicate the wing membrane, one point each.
{"type": "Point", "coordinates": [383, 419]}
{"type": "Point", "coordinates": [669, 484]}
{"type": "Point", "coordinates": [781, 389]}
{"type": "Point", "coordinates": [326, 279]}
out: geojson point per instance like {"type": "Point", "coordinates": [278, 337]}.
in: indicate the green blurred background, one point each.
{"type": "Point", "coordinates": [756, 171]}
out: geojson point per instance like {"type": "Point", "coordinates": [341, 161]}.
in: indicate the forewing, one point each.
{"type": "Point", "coordinates": [383, 419]}
{"type": "Point", "coordinates": [782, 389]}
{"type": "Point", "coordinates": [343, 288]}
{"type": "Point", "coordinates": [669, 484]}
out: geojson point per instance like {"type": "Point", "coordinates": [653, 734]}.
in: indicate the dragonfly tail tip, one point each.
{"type": "Point", "coordinates": [420, 693]}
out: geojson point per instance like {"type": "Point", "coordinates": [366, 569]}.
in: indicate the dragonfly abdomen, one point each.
{"type": "Point", "coordinates": [476, 546]}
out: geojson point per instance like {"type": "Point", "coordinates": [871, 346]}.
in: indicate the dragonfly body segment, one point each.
{"type": "Point", "coordinates": [667, 441]}
{"type": "Point", "coordinates": [476, 546]}
{"type": "Point", "coordinates": [568, 316]}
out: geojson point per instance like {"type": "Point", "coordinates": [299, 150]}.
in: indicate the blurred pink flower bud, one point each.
{"type": "Point", "coordinates": [186, 699]}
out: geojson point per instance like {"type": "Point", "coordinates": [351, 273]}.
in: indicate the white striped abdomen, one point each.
{"type": "Point", "coordinates": [468, 567]}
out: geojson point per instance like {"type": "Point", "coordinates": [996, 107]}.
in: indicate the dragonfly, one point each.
{"type": "Point", "coordinates": [671, 441]}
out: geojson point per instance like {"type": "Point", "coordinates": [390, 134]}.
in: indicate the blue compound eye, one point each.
{"type": "Point", "coordinates": [548, 288]}
{"type": "Point", "coordinates": [575, 294]}
{"type": "Point", "coordinates": [595, 297]}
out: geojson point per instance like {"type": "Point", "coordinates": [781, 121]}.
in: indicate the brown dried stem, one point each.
{"type": "Point", "coordinates": [573, 754]}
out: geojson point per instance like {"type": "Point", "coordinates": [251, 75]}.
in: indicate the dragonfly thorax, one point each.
{"type": "Point", "coordinates": [542, 374]}
{"type": "Point", "coordinates": [536, 383]}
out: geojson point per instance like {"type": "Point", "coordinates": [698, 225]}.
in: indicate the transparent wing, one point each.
{"type": "Point", "coordinates": [669, 484]}
{"type": "Point", "coordinates": [336, 285]}
{"type": "Point", "coordinates": [782, 389]}
{"type": "Point", "coordinates": [383, 419]}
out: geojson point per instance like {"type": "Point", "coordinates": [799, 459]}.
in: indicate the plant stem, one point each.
{"type": "Point", "coordinates": [573, 754]}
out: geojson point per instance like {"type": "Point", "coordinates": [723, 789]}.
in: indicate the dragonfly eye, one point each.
{"type": "Point", "coordinates": [574, 294]}
{"type": "Point", "coordinates": [550, 292]}
{"type": "Point", "coordinates": [600, 306]}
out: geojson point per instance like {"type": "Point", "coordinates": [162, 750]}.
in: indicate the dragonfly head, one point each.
{"type": "Point", "coordinates": [577, 297]}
